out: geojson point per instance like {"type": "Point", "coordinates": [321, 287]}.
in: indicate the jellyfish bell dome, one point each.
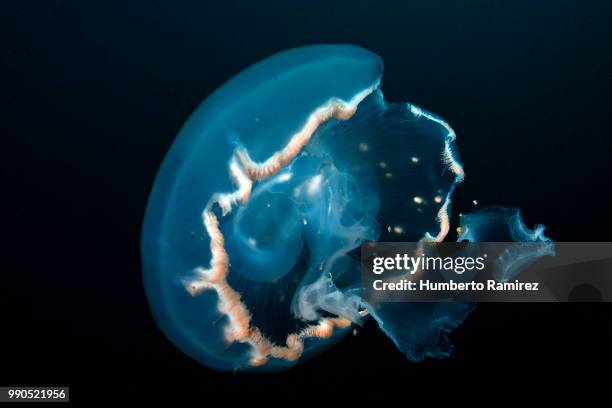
{"type": "Point", "coordinates": [253, 225]}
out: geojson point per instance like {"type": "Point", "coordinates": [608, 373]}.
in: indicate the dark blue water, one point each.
{"type": "Point", "coordinates": [95, 91]}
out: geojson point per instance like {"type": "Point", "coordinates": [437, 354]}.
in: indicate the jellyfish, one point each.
{"type": "Point", "coordinates": [250, 243]}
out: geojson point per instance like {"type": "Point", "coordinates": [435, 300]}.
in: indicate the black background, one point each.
{"type": "Point", "coordinates": [93, 93]}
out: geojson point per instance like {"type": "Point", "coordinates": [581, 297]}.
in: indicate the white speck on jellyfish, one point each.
{"type": "Point", "coordinates": [414, 159]}
{"type": "Point", "coordinates": [416, 111]}
{"type": "Point", "coordinates": [268, 205]}
{"type": "Point", "coordinates": [382, 165]}
{"type": "Point", "coordinates": [389, 228]}
{"type": "Point", "coordinates": [284, 177]}
{"type": "Point", "coordinates": [389, 175]}
{"type": "Point", "coordinates": [252, 242]}
{"type": "Point", "coordinates": [417, 200]}
{"type": "Point", "coordinates": [305, 222]}
{"type": "Point", "coordinates": [314, 184]}
{"type": "Point", "coordinates": [475, 202]}
{"type": "Point", "coordinates": [438, 199]}
{"type": "Point", "coordinates": [398, 230]}
{"type": "Point", "coordinates": [364, 147]}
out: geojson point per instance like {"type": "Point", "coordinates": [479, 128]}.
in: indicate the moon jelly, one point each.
{"type": "Point", "coordinates": [252, 231]}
